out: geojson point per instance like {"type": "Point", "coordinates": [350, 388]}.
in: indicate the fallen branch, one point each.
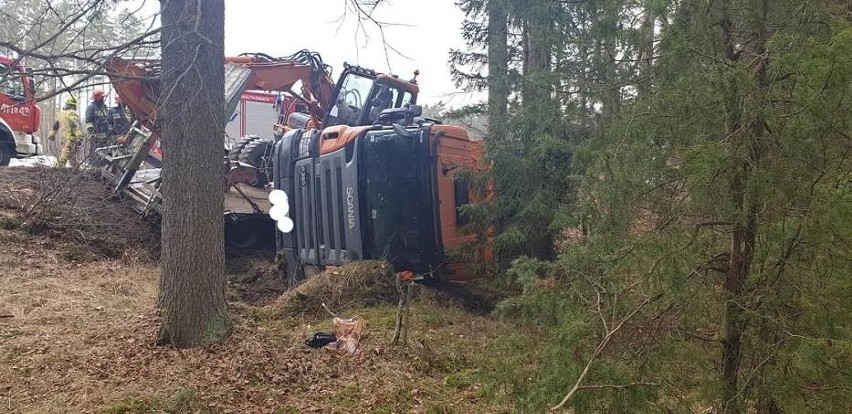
{"type": "Point", "coordinates": [618, 387]}
{"type": "Point", "coordinates": [333, 315]}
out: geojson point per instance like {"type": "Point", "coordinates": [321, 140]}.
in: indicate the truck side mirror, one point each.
{"type": "Point", "coordinates": [406, 113]}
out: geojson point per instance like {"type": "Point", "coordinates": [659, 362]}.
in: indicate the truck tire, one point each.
{"type": "Point", "coordinates": [5, 153]}
{"type": "Point", "coordinates": [237, 149]}
{"type": "Point", "coordinates": [255, 152]}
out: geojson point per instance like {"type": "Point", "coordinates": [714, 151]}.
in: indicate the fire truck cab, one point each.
{"type": "Point", "coordinates": [19, 114]}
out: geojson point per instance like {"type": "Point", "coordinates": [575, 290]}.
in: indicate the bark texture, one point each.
{"type": "Point", "coordinates": [192, 282]}
{"type": "Point", "coordinates": [498, 60]}
{"type": "Point", "coordinates": [538, 49]}
{"type": "Point", "coordinates": [746, 141]}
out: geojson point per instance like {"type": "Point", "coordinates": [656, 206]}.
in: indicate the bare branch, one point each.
{"type": "Point", "coordinates": [600, 348]}
{"type": "Point", "coordinates": [613, 386]}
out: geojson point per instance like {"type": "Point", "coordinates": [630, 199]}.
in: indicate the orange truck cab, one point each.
{"type": "Point", "coordinates": [19, 114]}
{"type": "Point", "coordinates": [377, 182]}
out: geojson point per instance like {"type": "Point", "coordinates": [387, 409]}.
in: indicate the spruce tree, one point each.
{"type": "Point", "coordinates": [703, 149]}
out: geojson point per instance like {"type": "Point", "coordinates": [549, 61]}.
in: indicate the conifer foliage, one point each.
{"type": "Point", "coordinates": [672, 192]}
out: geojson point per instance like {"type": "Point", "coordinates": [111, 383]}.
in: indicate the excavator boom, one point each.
{"type": "Point", "coordinates": [282, 74]}
{"type": "Point", "coordinates": [137, 82]}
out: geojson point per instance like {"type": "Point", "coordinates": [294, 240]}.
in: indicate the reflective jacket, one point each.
{"type": "Point", "coordinates": [68, 125]}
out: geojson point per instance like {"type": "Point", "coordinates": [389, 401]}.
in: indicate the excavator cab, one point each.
{"type": "Point", "coordinates": [362, 94]}
{"type": "Point", "coordinates": [357, 99]}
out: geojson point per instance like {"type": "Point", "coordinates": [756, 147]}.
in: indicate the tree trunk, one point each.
{"type": "Point", "coordinates": [746, 151]}
{"type": "Point", "coordinates": [646, 52]}
{"type": "Point", "coordinates": [537, 103]}
{"type": "Point", "coordinates": [607, 82]}
{"type": "Point", "coordinates": [498, 58]}
{"type": "Point", "coordinates": [192, 282]}
{"type": "Point", "coordinates": [537, 88]}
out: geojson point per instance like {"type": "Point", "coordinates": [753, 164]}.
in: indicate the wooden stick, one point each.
{"type": "Point", "coordinates": [406, 323]}
{"type": "Point", "coordinates": [401, 328]}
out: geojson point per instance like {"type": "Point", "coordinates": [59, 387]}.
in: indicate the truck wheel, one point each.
{"type": "Point", "coordinates": [5, 154]}
{"type": "Point", "coordinates": [237, 149]}
{"type": "Point", "coordinates": [254, 153]}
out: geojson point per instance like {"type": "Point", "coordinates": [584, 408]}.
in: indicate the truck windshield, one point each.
{"type": "Point", "coordinates": [10, 82]}
{"type": "Point", "coordinates": [398, 210]}
{"type": "Point", "coordinates": [386, 97]}
{"type": "Point", "coordinates": [354, 93]}
{"type": "Point", "coordinates": [361, 99]}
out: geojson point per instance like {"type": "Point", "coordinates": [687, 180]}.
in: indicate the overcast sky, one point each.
{"type": "Point", "coordinates": [422, 30]}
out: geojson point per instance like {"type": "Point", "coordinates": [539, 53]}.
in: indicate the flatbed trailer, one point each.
{"type": "Point", "coordinates": [245, 210]}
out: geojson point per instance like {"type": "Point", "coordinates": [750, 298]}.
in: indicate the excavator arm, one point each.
{"type": "Point", "coordinates": [137, 81]}
{"type": "Point", "coordinates": [269, 74]}
{"type": "Point", "coordinates": [138, 84]}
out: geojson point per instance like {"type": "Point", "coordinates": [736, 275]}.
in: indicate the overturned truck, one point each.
{"type": "Point", "coordinates": [355, 170]}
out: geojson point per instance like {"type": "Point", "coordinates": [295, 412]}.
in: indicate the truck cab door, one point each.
{"type": "Point", "coordinates": [17, 104]}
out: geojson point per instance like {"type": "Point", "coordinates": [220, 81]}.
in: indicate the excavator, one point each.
{"type": "Point", "coordinates": [363, 174]}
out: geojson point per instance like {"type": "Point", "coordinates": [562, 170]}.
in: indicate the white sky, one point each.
{"type": "Point", "coordinates": [423, 30]}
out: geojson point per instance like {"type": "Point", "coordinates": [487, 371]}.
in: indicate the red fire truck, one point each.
{"type": "Point", "coordinates": [19, 113]}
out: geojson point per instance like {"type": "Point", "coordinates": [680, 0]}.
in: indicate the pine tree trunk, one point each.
{"type": "Point", "coordinates": [607, 81]}
{"type": "Point", "coordinates": [743, 240]}
{"type": "Point", "coordinates": [192, 282]}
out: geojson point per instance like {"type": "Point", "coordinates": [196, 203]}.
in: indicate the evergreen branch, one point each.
{"type": "Point", "coordinates": [748, 384]}
{"type": "Point", "coordinates": [807, 338]}
{"type": "Point", "coordinates": [600, 348]}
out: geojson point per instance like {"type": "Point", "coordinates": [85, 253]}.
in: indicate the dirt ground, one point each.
{"type": "Point", "coordinates": [77, 336]}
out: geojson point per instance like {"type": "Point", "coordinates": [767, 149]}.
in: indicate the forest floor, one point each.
{"type": "Point", "coordinates": [77, 335]}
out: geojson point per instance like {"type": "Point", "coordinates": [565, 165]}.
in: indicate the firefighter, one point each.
{"type": "Point", "coordinates": [68, 126]}
{"type": "Point", "coordinates": [119, 119]}
{"type": "Point", "coordinates": [97, 124]}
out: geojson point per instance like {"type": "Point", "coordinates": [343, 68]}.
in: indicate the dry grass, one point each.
{"type": "Point", "coordinates": [354, 285]}
{"type": "Point", "coordinates": [79, 337]}
{"type": "Point", "coordinates": [77, 332]}
{"type": "Point", "coordinates": [61, 313]}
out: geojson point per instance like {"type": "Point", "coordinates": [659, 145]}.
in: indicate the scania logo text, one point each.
{"type": "Point", "coordinates": [350, 206]}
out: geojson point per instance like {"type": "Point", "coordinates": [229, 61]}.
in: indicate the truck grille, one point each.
{"type": "Point", "coordinates": [322, 222]}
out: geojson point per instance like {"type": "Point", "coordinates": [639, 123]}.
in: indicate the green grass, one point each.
{"type": "Point", "coordinates": [9, 222]}
{"type": "Point", "coordinates": [185, 401]}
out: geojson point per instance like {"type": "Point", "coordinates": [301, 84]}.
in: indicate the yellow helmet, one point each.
{"type": "Point", "coordinates": [71, 101]}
